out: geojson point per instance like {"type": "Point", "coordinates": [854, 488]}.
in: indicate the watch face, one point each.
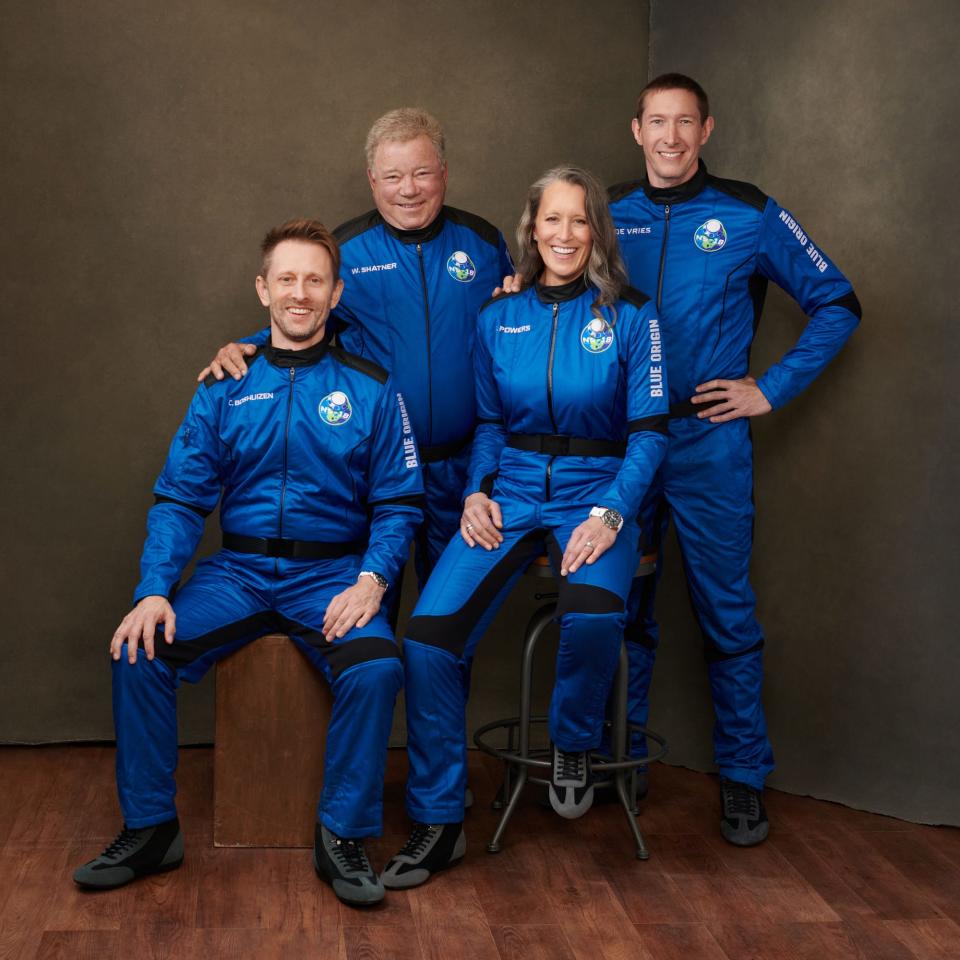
{"type": "Point", "coordinates": [612, 519]}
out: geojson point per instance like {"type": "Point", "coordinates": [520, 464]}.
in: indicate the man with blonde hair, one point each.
{"type": "Point", "coordinates": [415, 272]}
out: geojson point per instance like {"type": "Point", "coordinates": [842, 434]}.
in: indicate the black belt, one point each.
{"type": "Point", "coordinates": [687, 409]}
{"type": "Point", "coordinates": [442, 451]}
{"type": "Point", "coordinates": [292, 549]}
{"type": "Point", "coordinates": [555, 445]}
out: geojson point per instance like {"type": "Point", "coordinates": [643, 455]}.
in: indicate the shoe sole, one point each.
{"type": "Point", "coordinates": [163, 868]}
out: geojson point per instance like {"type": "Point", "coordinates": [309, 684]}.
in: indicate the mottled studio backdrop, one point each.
{"type": "Point", "coordinates": [147, 147]}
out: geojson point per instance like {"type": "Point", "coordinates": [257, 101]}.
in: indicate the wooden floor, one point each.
{"type": "Point", "coordinates": [830, 882]}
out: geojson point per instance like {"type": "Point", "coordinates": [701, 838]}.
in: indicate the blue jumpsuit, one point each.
{"type": "Point", "coordinates": [409, 303]}
{"type": "Point", "coordinates": [318, 467]}
{"type": "Point", "coordinates": [706, 250]}
{"type": "Point", "coordinates": [571, 413]}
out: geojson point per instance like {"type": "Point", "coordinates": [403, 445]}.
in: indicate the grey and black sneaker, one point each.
{"type": "Point", "coordinates": [429, 849]}
{"type": "Point", "coordinates": [343, 864]}
{"type": "Point", "coordinates": [571, 787]}
{"type": "Point", "coordinates": [744, 820]}
{"type": "Point", "coordinates": [134, 853]}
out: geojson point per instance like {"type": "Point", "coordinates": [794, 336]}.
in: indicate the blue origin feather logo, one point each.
{"type": "Point", "coordinates": [596, 336]}
{"type": "Point", "coordinates": [710, 236]}
{"type": "Point", "coordinates": [461, 267]}
{"type": "Point", "coordinates": [335, 409]}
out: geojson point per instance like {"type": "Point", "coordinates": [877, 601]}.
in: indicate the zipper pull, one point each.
{"type": "Point", "coordinates": [293, 372]}
{"type": "Point", "coordinates": [666, 211]}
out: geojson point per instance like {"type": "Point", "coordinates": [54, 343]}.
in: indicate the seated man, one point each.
{"type": "Point", "coordinates": [321, 492]}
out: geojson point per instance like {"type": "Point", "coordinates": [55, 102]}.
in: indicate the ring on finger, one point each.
{"type": "Point", "coordinates": [591, 544]}
{"type": "Point", "coordinates": [469, 526]}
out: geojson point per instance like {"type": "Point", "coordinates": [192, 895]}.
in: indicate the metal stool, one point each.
{"type": "Point", "coordinates": [525, 762]}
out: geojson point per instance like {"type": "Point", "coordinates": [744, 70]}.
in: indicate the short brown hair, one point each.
{"type": "Point", "coordinates": [305, 230]}
{"type": "Point", "coordinates": [403, 124]}
{"type": "Point", "coordinates": [675, 81]}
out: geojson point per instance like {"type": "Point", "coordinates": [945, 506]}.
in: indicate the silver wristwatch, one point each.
{"type": "Point", "coordinates": [611, 518]}
{"type": "Point", "coordinates": [379, 577]}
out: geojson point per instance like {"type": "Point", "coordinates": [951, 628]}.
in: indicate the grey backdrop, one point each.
{"type": "Point", "coordinates": [149, 147]}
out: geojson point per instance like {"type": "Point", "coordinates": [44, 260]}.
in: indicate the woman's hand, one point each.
{"type": "Point", "coordinates": [590, 541]}
{"type": "Point", "coordinates": [481, 522]}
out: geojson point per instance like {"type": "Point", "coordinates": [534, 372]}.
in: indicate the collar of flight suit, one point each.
{"type": "Point", "coordinates": [684, 191]}
{"type": "Point", "coordinates": [422, 235]}
{"type": "Point", "coordinates": [297, 358]}
{"type": "Point", "coordinates": [566, 291]}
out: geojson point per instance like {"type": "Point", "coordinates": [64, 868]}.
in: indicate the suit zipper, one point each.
{"type": "Point", "coordinates": [286, 434]}
{"type": "Point", "coordinates": [663, 252]}
{"type": "Point", "coordinates": [553, 419]}
{"type": "Point", "coordinates": [426, 315]}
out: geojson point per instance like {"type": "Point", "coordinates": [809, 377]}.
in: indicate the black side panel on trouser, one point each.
{"type": "Point", "coordinates": [580, 597]}
{"type": "Point", "coordinates": [181, 653]}
{"type": "Point", "coordinates": [341, 656]}
{"type": "Point", "coordinates": [450, 631]}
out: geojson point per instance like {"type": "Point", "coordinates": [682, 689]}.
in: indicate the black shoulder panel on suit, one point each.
{"type": "Point", "coordinates": [745, 192]}
{"type": "Point", "coordinates": [356, 226]}
{"type": "Point", "coordinates": [209, 380]}
{"type": "Point", "coordinates": [502, 295]}
{"type": "Point", "coordinates": [371, 369]}
{"type": "Point", "coordinates": [482, 228]}
{"type": "Point", "coordinates": [634, 296]}
{"type": "Point", "coordinates": [619, 190]}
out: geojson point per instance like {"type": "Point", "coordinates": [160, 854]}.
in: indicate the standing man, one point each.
{"type": "Point", "coordinates": [321, 490]}
{"type": "Point", "coordinates": [416, 273]}
{"type": "Point", "coordinates": [705, 249]}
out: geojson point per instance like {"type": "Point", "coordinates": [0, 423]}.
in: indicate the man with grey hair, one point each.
{"type": "Point", "coordinates": [415, 274]}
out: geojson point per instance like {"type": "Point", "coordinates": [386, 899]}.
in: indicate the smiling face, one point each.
{"type": "Point", "coordinates": [299, 290]}
{"type": "Point", "coordinates": [408, 182]}
{"type": "Point", "coordinates": [562, 233]}
{"type": "Point", "coordinates": [671, 132]}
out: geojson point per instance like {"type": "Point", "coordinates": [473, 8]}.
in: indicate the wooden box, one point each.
{"type": "Point", "coordinates": [273, 708]}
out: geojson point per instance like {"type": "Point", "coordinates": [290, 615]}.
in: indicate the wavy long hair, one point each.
{"type": "Point", "coordinates": [605, 269]}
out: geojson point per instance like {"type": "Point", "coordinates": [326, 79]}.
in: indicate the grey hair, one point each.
{"type": "Point", "coordinates": [403, 124]}
{"type": "Point", "coordinates": [605, 269]}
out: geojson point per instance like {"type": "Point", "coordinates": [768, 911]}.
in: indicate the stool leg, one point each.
{"type": "Point", "coordinates": [538, 623]}
{"type": "Point", "coordinates": [619, 740]}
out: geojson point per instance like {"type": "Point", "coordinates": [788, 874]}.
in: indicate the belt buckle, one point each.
{"type": "Point", "coordinates": [280, 548]}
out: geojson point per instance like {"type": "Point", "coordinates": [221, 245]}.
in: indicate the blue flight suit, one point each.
{"type": "Point", "coordinates": [571, 412]}
{"type": "Point", "coordinates": [409, 303]}
{"type": "Point", "coordinates": [706, 250]}
{"type": "Point", "coordinates": [319, 472]}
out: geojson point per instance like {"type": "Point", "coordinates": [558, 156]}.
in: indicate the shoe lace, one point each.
{"type": "Point", "coordinates": [417, 841]}
{"type": "Point", "coordinates": [741, 799]}
{"type": "Point", "coordinates": [571, 766]}
{"type": "Point", "coordinates": [123, 842]}
{"type": "Point", "coordinates": [350, 854]}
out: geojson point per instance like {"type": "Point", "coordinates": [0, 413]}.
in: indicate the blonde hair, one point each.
{"type": "Point", "coordinates": [403, 124]}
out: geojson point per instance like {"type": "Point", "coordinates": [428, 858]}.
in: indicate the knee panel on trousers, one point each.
{"type": "Point", "coordinates": [585, 598]}
{"type": "Point", "coordinates": [713, 654]}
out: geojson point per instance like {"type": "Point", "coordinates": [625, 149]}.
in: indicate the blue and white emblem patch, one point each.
{"type": "Point", "coordinates": [335, 409]}
{"type": "Point", "coordinates": [710, 236]}
{"type": "Point", "coordinates": [596, 336]}
{"type": "Point", "coordinates": [461, 267]}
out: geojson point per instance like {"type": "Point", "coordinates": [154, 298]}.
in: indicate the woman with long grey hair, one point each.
{"type": "Point", "coordinates": [572, 409]}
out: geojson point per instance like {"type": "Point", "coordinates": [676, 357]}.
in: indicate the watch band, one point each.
{"type": "Point", "coordinates": [611, 518]}
{"type": "Point", "coordinates": [379, 577]}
